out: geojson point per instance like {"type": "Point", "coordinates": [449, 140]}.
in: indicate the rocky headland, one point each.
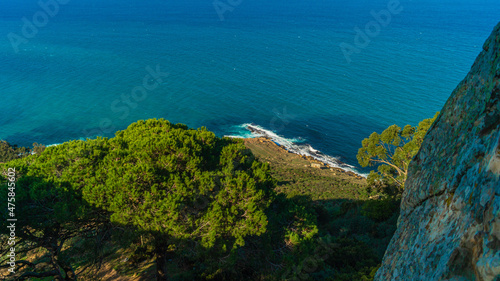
{"type": "Point", "coordinates": [449, 225]}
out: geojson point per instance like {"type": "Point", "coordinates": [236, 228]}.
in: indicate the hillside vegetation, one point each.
{"type": "Point", "coordinates": [162, 201]}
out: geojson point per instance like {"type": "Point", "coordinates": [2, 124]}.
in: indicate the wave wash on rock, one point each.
{"type": "Point", "coordinates": [449, 226]}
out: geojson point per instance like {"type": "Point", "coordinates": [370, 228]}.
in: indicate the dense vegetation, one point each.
{"type": "Point", "coordinates": [10, 152]}
{"type": "Point", "coordinates": [199, 206]}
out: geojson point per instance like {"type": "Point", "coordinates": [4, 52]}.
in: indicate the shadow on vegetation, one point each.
{"type": "Point", "coordinates": [299, 235]}
{"type": "Point", "coordinates": [65, 238]}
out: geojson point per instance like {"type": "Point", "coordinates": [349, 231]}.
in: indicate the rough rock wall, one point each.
{"type": "Point", "coordinates": [449, 227]}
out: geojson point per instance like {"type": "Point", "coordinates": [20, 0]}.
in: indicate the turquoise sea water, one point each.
{"type": "Point", "coordinates": [276, 64]}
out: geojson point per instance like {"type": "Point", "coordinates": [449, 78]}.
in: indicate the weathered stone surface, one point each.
{"type": "Point", "coordinates": [449, 227]}
{"type": "Point", "coordinates": [316, 165]}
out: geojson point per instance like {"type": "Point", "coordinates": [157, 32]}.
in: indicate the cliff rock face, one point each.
{"type": "Point", "coordinates": [449, 227]}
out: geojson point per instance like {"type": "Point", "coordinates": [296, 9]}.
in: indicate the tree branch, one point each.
{"type": "Point", "coordinates": [36, 274]}
{"type": "Point", "coordinates": [400, 172]}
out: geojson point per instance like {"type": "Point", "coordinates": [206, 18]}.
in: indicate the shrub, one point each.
{"type": "Point", "coordinates": [379, 210]}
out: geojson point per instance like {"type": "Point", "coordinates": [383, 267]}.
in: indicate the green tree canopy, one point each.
{"type": "Point", "coordinates": [49, 210]}
{"type": "Point", "coordinates": [180, 186]}
{"type": "Point", "coordinates": [10, 152]}
{"type": "Point", "coordinates": [392, 151]}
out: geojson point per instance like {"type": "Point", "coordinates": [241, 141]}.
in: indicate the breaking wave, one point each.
{"type": "Point", "coordinates": [296, 146]}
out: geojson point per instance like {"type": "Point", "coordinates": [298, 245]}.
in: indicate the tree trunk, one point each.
{"type": "Point", "coordinates": [55, 264]}
{"type": "Point", "coordinates": [70, 273]}
{"type": "Point", "coordinates": [161, 263]}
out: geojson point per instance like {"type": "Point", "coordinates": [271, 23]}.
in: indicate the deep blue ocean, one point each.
{"type": "Point", "coordinates": [77, 69]}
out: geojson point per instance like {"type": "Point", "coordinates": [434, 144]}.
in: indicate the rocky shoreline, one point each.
{"type": "Point", "coordinates": [312, 162]}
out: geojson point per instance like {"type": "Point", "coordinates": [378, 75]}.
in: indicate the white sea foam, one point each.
{"type": "Point", "coordinates": [54, 144]}
{"type": "Point", "coordinates": [234, 136]}
{"type": "Point", "coordinates": [296, 146]}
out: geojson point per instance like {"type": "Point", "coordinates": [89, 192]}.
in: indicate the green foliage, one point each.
{"type": "Point", "coordinates": [181, 184]}
{"type": "Point", "coordinates": [202, 205]}
{"type": "Point", "coordinates": [334, 258]}
{"type": "Point", "coordinates": [380, 210]}
{"type": "Point", "coordinates": [49, 211]}
{"type": "Point", "coordinates": [10, 152]}
{"type": "Point", "coordinates": [177, 184]}
{"type": "Point", "coordinates": [291, 234]}
{"type": "Point", "coordinates": [38, 148]}
{"type": "Point", "coordinates": [392, 151]}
